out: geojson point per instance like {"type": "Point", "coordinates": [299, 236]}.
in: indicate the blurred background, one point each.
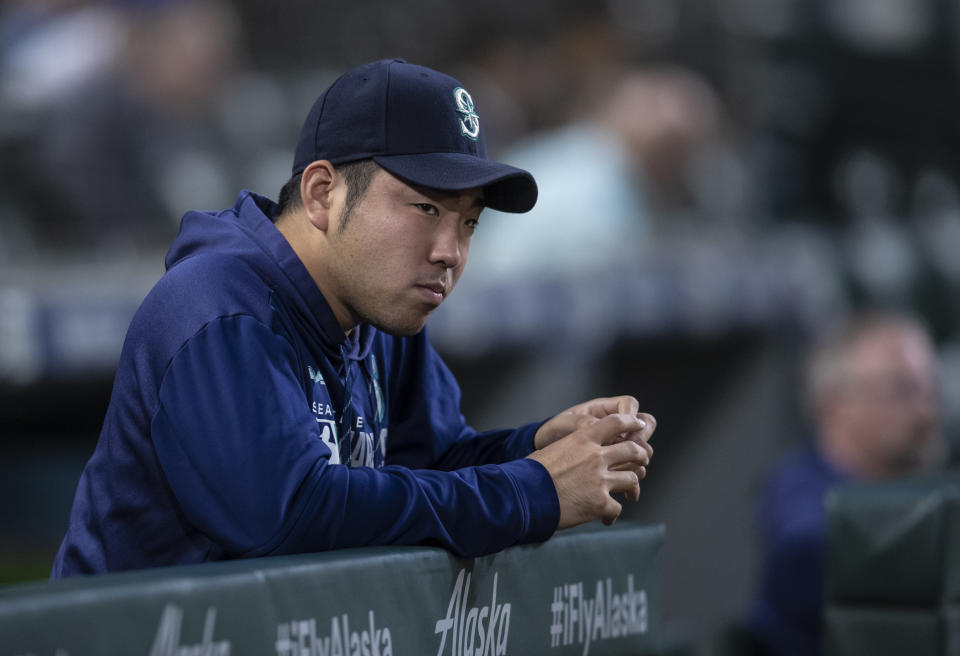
{"type": "Point", "coordinates": [719, 179]}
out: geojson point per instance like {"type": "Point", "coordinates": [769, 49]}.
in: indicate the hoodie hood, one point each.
{"type": "Point", "coordinates": [247, 232]}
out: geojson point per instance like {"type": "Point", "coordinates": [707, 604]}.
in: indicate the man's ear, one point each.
{"type": "Point", "coordinates": [318, 187]}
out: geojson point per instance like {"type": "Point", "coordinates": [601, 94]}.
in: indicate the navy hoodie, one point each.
{"type": "Point", "coordinates": [244, 423]}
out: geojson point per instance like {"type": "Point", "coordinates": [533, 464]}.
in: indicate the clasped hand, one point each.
{"type": "Point", "coordinates": [592, 450]}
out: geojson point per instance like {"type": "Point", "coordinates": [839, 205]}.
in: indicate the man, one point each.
{"type": "Point", "coordinates": [873, 393]}
{"type": "Point", "coordinates": [277, 393]}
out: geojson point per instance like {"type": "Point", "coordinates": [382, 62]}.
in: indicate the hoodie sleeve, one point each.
{"type": "Point", "coordinates": [427, 428]}
{"type": "Point", "coordinates": [242, 452]}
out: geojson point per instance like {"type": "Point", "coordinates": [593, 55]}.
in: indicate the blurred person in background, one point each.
{"type": "Point", "coordinates": [605, 176]}
{"type": "Point", "coordinates": [49, 47]}
{"type": "Point", "coordinates": [873, 392]}
{"type": "Point", "coordinates": [106, 153]}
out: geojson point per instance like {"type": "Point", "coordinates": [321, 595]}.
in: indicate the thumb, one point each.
{"type": "Point", "coordinates": [628, 405]}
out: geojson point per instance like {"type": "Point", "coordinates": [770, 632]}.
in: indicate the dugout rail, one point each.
{"type": "Point", "coordinates": [587, 591]}
{"type": "Point", "coordinates": [893, 568]}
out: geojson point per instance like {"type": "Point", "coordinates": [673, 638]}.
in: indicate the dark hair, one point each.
{"type": "Point", "coordinates": [289, 198]}
{"type": "Point", "coordinates": [357, 176]}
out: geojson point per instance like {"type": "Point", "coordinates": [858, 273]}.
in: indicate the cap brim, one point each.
{"type": "Point", "coordinates": [506, 188]}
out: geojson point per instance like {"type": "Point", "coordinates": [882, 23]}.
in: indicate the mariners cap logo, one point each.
{"type": "Point", "coordinates": [470, 123]}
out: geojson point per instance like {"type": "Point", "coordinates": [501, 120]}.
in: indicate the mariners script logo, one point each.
{"type": "Point", "coordinates": [470, 123]}
{"type": "Point", "coordinates": [476, 631]}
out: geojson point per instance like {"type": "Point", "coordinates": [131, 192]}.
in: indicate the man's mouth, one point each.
{"type": "Point", "coordinates": [434, 291]}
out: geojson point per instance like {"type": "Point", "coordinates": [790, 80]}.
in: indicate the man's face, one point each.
{"type": "Point", "coordinates": [890, 403]}
{"type": "Point", "coordinates": [399, 253]}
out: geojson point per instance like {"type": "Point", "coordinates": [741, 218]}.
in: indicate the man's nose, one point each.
{"type": "Point", "coordinates": [446, 245]}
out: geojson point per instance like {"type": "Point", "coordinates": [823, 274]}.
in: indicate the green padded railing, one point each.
{"type": "Point", "coordinates": [893, 568]}
{"type": "Point", "coordinates": [589, 591]}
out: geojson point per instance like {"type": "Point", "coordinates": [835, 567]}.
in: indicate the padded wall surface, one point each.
{"type": "Point", "coordinates": [596, 591]}
{"type": "Point", "coordinates": [895, 543]}
{"type": "Point", "coordinates": [892, 632]}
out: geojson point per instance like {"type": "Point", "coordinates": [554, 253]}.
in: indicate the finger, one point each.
{"type": "Point", "coordinates": [639, 470]}
{"type": "Point", "coordinates": [627, 405]}
{"type": "Point", "coordinates": [625, 453]}
{"type": "Point", "coordinates": [611, 510]}
{"type": "Point", "coordinates": [643, 444]}
{"type": "Point", "coordinates": [646, 447]}
{"type": "Point", "coordinates": [602, 407]}
{"type": "Point", "coordinates": [627, 483]}
{"type": "Point", "coordinates": [646, 433]}
{"type": "Point", "coordinates": [593, 408]}
{"type": "Point", "coordinates": [605, 430]}
{"type": "Point", "coordinates": [651, 425]}
{"type": "Point", "coordinates": [648, 419]}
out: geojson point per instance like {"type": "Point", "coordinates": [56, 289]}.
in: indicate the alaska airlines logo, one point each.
{"type": "Point", "coordinates": [470, 123]}
{"type": "Point", "coordinates": [167, 640]}
{"type": "Point", "coordinates": [480, 630]}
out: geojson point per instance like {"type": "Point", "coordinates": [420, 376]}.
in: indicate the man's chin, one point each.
{"type": "Point", "coordinates": [401, 328]}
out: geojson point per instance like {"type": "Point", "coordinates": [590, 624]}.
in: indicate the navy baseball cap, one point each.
{"type": "Point", "coordinates": [416, 123]}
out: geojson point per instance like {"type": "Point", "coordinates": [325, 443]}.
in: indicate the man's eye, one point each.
{"type": "Point", "coordinates": [428, 208]}
{"type": "Point", "coordinates": [473, 223]}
